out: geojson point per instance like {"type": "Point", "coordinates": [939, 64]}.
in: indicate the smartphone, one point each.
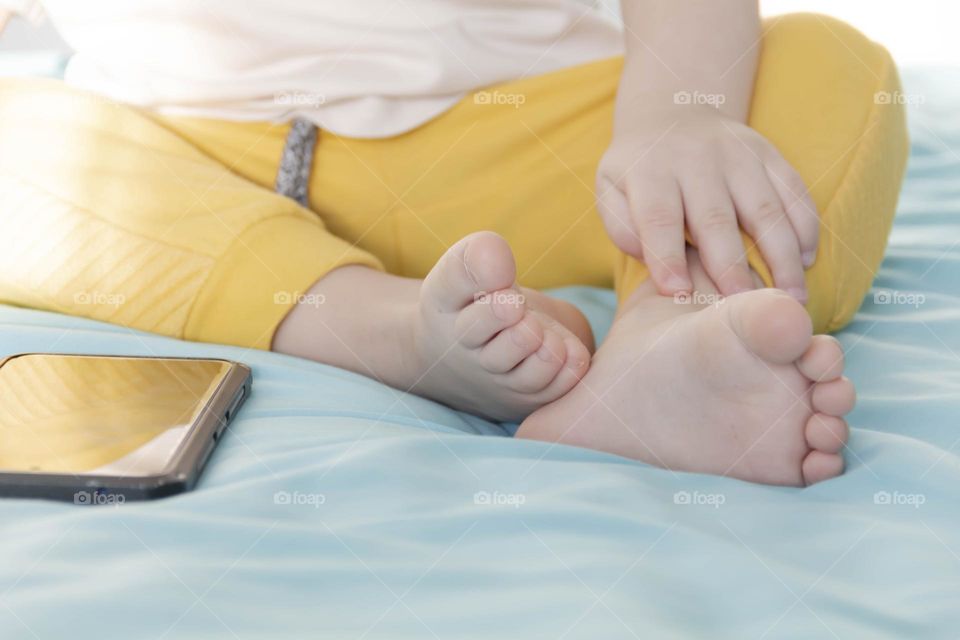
{"type": "Point", "coordinates": [108, 429]}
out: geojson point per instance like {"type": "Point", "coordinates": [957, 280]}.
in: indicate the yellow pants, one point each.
{"type": "Point", "coordinates": [170, 224]}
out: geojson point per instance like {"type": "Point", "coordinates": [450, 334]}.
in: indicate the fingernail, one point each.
{"type": "Point", "coordinates": [808, 258]}
{"type": "Point", "coordinates": [800, 295]}
{"type": "Point", "coordinates": [678, 283]}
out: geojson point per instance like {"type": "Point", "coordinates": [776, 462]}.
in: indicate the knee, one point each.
{"type": "Point", "coordinates": [846, 134]}
{"type": "Point", "coordinates": [816, 32]}
{"type": "Point", "coordinates": [830, 50]}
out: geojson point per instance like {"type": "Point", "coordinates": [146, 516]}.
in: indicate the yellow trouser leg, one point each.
{"type": "Point", "coordinates": [106, 213]}
{"type": "Point", "coordinates": [820, 98]}
{"type": "Point", "coordinates": [520, 159]}
{"type": "Point", "coordinates": [169, 225]}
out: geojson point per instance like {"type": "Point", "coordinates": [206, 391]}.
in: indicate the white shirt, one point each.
{"type": "Point", "coordinates": [359, 68]}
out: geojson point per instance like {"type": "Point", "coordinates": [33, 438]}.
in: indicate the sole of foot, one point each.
{"type": "Point", "coordinates": [740, 389]}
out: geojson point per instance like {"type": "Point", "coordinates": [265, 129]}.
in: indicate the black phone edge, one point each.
{"type": "Point", "coordinates": [187, 462]}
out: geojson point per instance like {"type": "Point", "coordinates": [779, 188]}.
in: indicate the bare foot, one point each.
{"type": "Point", "coordinates": [466, 335]}
{"type": "Point", "coordinates": [484, 345]}
{"type": "Point", "coordinates": [740, 388]}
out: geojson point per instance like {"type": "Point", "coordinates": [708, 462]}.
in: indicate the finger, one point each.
{"type": "Point", "coordinates": [762, 215]}
{"type": "Point", "coordinates": [657, 209]}
{"type": "Point", "coordinates": [712, 220]}
{"type": "Point", "coordinates": [615, 213]}
{"type": "Point", "coordinates": [800, 208]}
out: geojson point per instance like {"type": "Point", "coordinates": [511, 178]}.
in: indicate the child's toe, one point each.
{"type": "Point", "coordinates": [823, 359]}
{"type": "Point", "coordinates": [578, 361]}
{"type": "Point", "coordinates": [512, 345]}
{"type": "Point", "coordinates": [487, 316]}
{"type": "Point", "coordinates": [539, 369]}
{"type": "Point", "coordinates": [834, 398]}
{"type": "Point", "coordinates": [826, 433]}
{"type": "Point", "coordinates": [476, 265]}
{"type": "Point", "coordinates": [819, 466]}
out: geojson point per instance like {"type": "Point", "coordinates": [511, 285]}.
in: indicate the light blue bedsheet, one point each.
{"type": "Point", "coordinates": [405, 519]}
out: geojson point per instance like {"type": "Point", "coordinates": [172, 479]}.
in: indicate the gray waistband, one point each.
{"type": "Point", "coordinates": [293, 176]}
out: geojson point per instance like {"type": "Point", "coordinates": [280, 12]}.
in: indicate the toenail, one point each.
{"type": "Point", "coordinates": [499, 312]}
{"type": "Point", "coordinates": [505, 303]}
{"type": "Point", "coordinates": [466, 266]}
{"type": "Point", "coordinates": [518, 336]}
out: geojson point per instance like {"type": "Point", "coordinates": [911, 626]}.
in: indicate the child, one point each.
{"type": "Point", "coordinates": [468, 154]}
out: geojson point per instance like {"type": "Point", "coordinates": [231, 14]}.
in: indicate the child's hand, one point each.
{"type": "Point", "coordinates": [693, 164]}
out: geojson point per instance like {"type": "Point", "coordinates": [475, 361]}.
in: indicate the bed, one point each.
{"type": "Point", "coordinates": [339, 508]}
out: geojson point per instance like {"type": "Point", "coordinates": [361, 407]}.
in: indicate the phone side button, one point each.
{"type": "Point", "coordinates": [234, 406]}
{"type": "Point", "coordinates": [206, 454]}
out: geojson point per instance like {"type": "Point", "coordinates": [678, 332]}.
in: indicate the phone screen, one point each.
{"type": "Point", "coordinates": [99, 415]}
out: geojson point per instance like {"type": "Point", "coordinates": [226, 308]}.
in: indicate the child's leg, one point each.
{"type": "Point", "coordinates": [466, 335]}
{"type": "Point", "coordinates": [109, 213]}
{"type": "Point", "coordinates": [830, 100]}
{"type": "Point", "coordinates": [740, 386]}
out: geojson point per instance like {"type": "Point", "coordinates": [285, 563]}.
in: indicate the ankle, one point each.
{"type": "Point", "coordinates": [367, 324]}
